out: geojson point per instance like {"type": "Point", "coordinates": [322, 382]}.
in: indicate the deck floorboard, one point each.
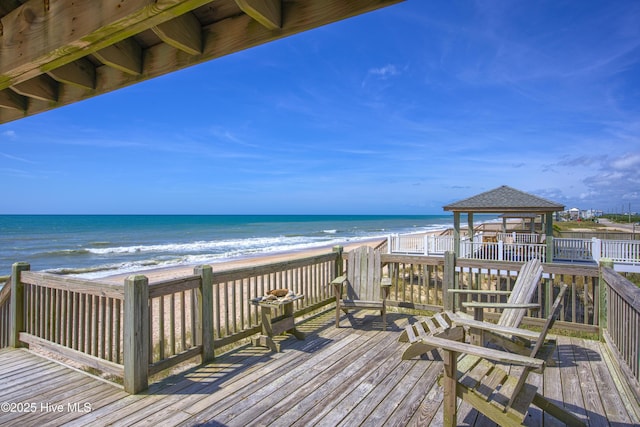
{"type": "Point", "coordinates": [346, 376]}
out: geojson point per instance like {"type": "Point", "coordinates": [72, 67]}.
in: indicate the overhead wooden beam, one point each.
{"type": "Point", "coordinates": [79, 73]}
{"type": "Point", "coordinates": [41, 87]}
{"type": "Point", "coordinates": [36, 39]}
{"type": "Point", "coordinates": [266, 12]}
{"type": "Point", "coordinates": [221, 38]}
{"type": "Point", "coordinates": [184, 33]}
{"type": "Point", "coordinates": [12, 100]}
{"type": "Point", "coordinates": [125, 56]}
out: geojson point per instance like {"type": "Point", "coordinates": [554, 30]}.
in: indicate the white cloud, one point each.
{"type": "Point", "coordinates": [9, 134]}
{"type": "Point", "coordinates": [385, 72]}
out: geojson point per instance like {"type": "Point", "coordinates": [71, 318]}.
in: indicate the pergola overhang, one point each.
{"type": "Point", "coordinates": [57, 52]}
{"type": "Point", "coordinates": [507, 201]}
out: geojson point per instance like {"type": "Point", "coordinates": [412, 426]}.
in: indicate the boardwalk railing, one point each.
{"type": "Point", "coordinates": [137, 329]}
{"type": "Point", "coordinates": [141, 328]}
{"type": "Point", "coordinates": [521, 247]}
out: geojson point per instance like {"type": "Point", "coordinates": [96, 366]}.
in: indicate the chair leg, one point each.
{"type": "Point", "coordinates": [337, 313]}
{"type": "Point", "coordinates": [384, 319]}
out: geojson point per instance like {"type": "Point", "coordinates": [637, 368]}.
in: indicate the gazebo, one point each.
{"type": "Point", "coordinates": [510, 203]}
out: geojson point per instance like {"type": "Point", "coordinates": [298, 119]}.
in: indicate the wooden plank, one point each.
{"type": "Point", "coordinates": [619, 406]}
{"type": "Point", "coordinates": [83, 286]}
{"type": "Point", "coordinates": [86, 359]}
{"type": "Point", "coordinates": [571, 392]}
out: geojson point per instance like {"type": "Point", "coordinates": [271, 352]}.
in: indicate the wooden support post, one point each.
{"type": "Point", "coordinates": [549, 236]}
{"type": "Point", "coordinates": [602, 295]}
{"type": "Point", "coordinates": [136, 334]}
{"type": "Point", "coordinates": [448, 299]}
{"type": "Point", "coordinates": [204, 307]}
{"type": "Point", "coordinates": [16, 303]}
{"type": "Point", "coordinates": [456, 233]}
{"type": "Point", "coordinates": [450, 400]}
{"type": "Point", "coordinates": [339, 262]}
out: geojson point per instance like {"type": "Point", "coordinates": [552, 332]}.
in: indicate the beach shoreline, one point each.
{"type": "Point", "coordinates": [168, 273]}
{"type": "Point", "coordinates": [173, 272]}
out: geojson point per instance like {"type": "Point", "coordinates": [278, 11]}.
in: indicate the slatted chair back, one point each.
{"type": "Point", "coordinates": [363, 275]}
{"type": "Point", "coordinates": [522, 293]}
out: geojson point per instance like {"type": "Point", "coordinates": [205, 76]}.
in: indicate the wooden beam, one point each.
{"type": "Point", "coordinates": [125, 56]}
{"type": "Point", "coordinates": [41, 87]}
{"type": "Point", "coordinates": [219, 39]}
{"type": "Point", "coordinates": [266, 12]}
{"type": "Point", "coordinates": [12, 100]}
{"type": "Point", "coordinates": [79, 73]}
{"type": "Point", "coordinates": [184, 33]}
{"type": "Point", "coordinates": [37, 40]}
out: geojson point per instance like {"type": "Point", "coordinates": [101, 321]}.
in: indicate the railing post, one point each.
{"type": "Point", "coordinates": [550, 245]}
{"type": "Point", "coordinates": [204, 311]}
{"type": "Point", "coordinates": [136, 334]}
{"type": "Point", "coordinates": [602, 294]}
{"type": "Point", "coordinates": [596, 249]}
{"type": "Point", "coordinates": [17, 303]}
{"type": "Point", "coordinates": [500, 250]}
{"type": "Point", "coordinates": [339, 268]}
{"type": "Point", "coordinates": [449, 281]}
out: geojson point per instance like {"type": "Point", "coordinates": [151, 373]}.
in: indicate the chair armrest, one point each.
{"type": "Point", "coordinates": [492, 327]}
{"type": "Point", "coordinates": [338, 280]}
{"type": "Point", "coordinates": [481, 304]}
{"type": "Point", "coordinates": [487, 353]}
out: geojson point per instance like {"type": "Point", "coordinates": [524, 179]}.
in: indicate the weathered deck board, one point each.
{"type": "Point", "coordinates": [334, 377]}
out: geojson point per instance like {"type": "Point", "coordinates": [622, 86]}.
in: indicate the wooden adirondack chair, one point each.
{"type": "Point", "coordinates": [363, 287]}
{"type": "Point", "coordinates": [477, 378]}
{"type": "Point", "coordinates": [442, 324]}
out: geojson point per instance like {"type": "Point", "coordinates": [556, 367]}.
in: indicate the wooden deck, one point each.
{"type": "Point", "coordinates": [346, 376]}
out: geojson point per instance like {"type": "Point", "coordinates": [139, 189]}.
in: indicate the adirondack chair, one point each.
{"type": "Point", "coordinates": [363, 287]}
{"type": "Point", "coordinates": [442, 324]}
{"type": "Point", "coordinates": [473, 373]}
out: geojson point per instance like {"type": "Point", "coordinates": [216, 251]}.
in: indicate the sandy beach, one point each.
{"type": "Point", "coordinates": [161, 274]}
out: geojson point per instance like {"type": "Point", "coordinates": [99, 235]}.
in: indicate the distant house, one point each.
{"type": "Point", "coordinates": [574, 214]}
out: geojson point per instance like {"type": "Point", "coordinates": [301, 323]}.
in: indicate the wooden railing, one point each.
{"type": "Point", "coordinates": [5, 293]}
{"type": "Point", "coordinates": [624, 253]}
{"type": "Point", "coordinates": [137, 329]}
{"type": "Point", "coordinates": [420, 282]}
{"type": "Point", "coordinates": [623, 324]}
{"type": "Point", "coordinates": [142, 328]}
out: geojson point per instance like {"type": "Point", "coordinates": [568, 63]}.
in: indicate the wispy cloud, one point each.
{"type": "Point", "coordinates": [19, 159]}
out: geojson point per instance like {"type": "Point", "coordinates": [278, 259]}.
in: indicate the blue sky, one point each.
{"type": "Point", "coordinates": [399, 111]}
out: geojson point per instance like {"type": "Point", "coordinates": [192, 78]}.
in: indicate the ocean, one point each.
{"type": "Point", "coordinates": [94, 246]}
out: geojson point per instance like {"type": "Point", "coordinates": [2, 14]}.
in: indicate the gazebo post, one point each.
{"type": "Point", "coordinates": [548, 219]}
{"type": "Point", "coordinates": [456, 233]}
{"type": "Point", "coordinates": [470, 224]}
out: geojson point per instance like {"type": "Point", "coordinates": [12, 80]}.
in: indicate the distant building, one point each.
{"type": "Point", "coordinates": [574, 214]}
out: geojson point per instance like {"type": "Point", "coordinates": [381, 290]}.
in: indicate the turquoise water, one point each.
{"type": "Point", "coordinates": [94, 246]}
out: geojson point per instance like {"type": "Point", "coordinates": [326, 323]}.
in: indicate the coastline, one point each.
{"type": "Point", "coordinates": [168, 273]}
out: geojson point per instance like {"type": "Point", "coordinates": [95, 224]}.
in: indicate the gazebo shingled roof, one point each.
{"type": "Point", "coordinates": [507, 201]}
{"type": "Point", "coordinates": [504, 199]}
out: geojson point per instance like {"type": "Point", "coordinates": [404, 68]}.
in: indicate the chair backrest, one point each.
{"type": "Point", "coordinates": [522, 293]}
{"type": "Point", "coordinates": [363, 274]}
